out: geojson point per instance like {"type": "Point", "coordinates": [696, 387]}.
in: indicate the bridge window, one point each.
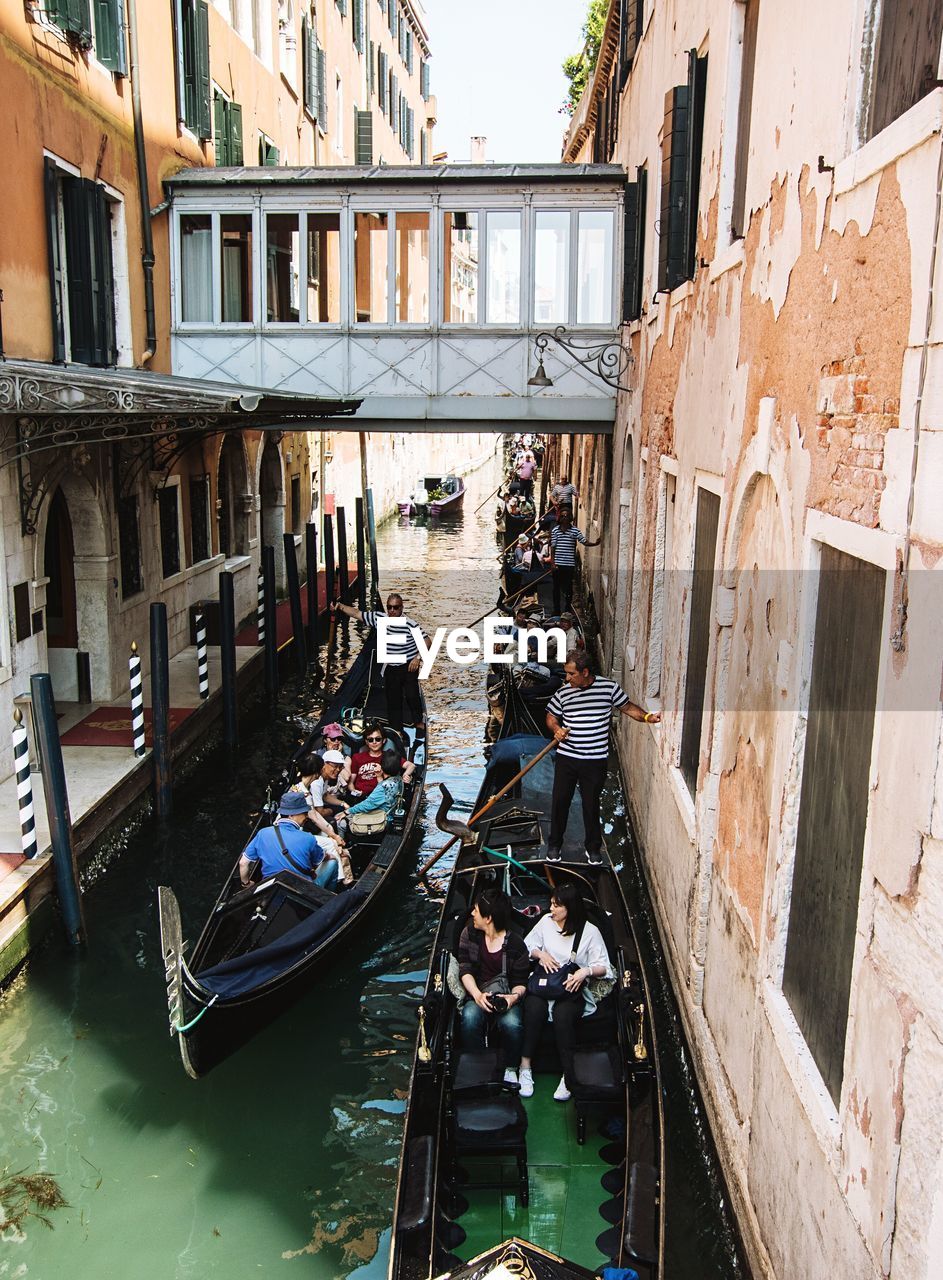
{"type": "Point", "coordinates": [236, 267]}
{"type": "Point", "coordinates": [371, 267]}
{"type": "Point", "coordinates": [503, 286]}
{"type": "Point", "coordinates": [412, 268]}
{"type": "Point", "coordinates": [324, 268]}
{"type": "Point", "coordinates": [283, 268]}
{"type": "Point", "coordinates": [594, 272]}
{"type": "Point", "coordinates": [460, 301]}
{"type": "Point", "coordinates": [196, 267]}
{"type": "Point", "coordinates": [551, 266]}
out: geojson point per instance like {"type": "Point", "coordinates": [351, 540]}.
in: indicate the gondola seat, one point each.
{"type": "Point", "coordinates": [598, 1084]}
{"type": "Point", "coordinates": [487, 1118]}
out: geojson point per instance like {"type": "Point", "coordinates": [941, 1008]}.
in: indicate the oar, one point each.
{"type": "Point", "coordinates": [485, 807]}
{"type": "Point", "coordinates": [501, 554]}
{"type": "Point", "coordinates": [331, 636]}
{"type": "Point", "coordinates": [488, 499]}
{"type": "Point", "coordinates": [509, 599]}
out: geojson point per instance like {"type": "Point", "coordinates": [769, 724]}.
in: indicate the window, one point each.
{"type": "Point", "coordinates": [503, 286]}
{"type": "Point", "coordinates": [169, 517]}
{"type": "Point", "coordinates": [297, 523]}
{"type": "Point", "coordinates": [199, 518]}
{"type": "Point", "coordinates": [74, 17]}
{"type": "Point", "coordinates": [227, 130]}
{"type": "Point", "coordinates": [81, 270]}
{"type": "Point", "coordinates": [460, 301]}
{"type": "Point", "coordinates": [907, 58]}
{"type": "Point", "coordinates": [129, 546]}
{"type": "Point", "coordinates": [423, 146]}
{"type": "Point", "coordinates": [383, 82]}
{"type": "Point", "coordinates": [699, 633]}
{"type": "Point", "coordinates": [358, 25]}
{"type": "Point", "coordinates": [339, 114]}
{"type": "Point", "coordinates": [424, 81]}
{"type": "Point", "coordinates": [551, 267]}
{"type": "Point", "coordinates": [744, 116]}
{"type": "Point", "coordinates": [236, 268]}
{"type": "Point", "coordinates": [287, 41]}
{"type": "Point", "coordinates": [232, 497]}
{"type": "Point", "coordinates": [324, 268]}
{"type": "Point", "coordinates": [594, 268]}
{"type": "Point", "coordinates": [833, 806]}
{"type": "Point", "coordinates": [22, 622]}
{"type": "Point", "coordinates": [282, 268]}
{"type": "Point", "coordinates": [191, 31]}
{"type": "Point", "coordinates": [631, 26]}
{"type": "Point", "coordinates": [680, 176]}
{"type": "Point", "coordinates": [268, 152]}
{"type": "Point", "coordinates": [371, 267]}
{"type": "Point", "coordinates": [636, 212]}
{"type": "Point", "coordinates": [394, 103]}
{"type": "Point", "coordinates": [315, 71]}
{"type": "Point", "coordinates": [412, 268]}
{"type": "Point", "coordinates": [196, 267]}
{"type": "Point", "coordinates": [363, 137]}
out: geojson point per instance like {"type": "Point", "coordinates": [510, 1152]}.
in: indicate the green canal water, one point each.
{"type": "Point", "coordinates": [283, 1161]}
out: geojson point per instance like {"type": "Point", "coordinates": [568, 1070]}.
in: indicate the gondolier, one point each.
{"type": "Point", "coordinates": [563, 542]}
{"type": "Point", "coordinates": [578, 716]}
{"type": "Point", "coordinates": [401, 669]}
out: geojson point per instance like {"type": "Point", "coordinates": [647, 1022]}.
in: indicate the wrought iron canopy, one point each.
{"type": "Point", "coordinates": [609, 361]}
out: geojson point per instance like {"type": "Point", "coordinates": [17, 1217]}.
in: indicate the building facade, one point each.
{"type": "Point", "coordinates": [768, 579]}
{"type": "Point", "coordinates": [105, 102]}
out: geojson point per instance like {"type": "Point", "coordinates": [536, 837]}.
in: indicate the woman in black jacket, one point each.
{"type": "Point", "coordinates": [493, 968]}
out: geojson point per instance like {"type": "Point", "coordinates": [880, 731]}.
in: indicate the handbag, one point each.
{"type": "Point", "coordinates": [549, 986]}
{"type": "Point", "coordinates": [370, 823]}
{"type": "Point", "coordinates": [498, 986]}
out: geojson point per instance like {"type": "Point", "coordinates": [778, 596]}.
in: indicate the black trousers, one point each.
{"type": "Point", "coordinates": [566, 1016]}
{"type": "Point", "coordinates": [400, 684]}
{"type": "Point", "coordinates": [589, 776]}
{"type": "Point", "coordinates": [527, 487]}
{"type": "Point", "coordinates": [563, 587]}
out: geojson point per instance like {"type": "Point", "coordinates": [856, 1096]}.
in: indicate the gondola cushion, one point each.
{"type": "Point", "coordinates": [477, 1072]}
{"type": "Point", "coordinates": [597, 1075]}
{"type": "Point", "coordinates": [490, 1122]}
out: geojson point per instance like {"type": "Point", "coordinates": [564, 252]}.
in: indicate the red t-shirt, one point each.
{"type": "Point", "coordinates": [365, 771]}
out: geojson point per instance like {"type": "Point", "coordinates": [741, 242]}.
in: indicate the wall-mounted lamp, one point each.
{"type": "Point", "coordinates": [611, 362]}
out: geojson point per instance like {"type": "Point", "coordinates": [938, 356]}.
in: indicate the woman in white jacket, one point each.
{"type": "Point", "coordinates": [552, 943]}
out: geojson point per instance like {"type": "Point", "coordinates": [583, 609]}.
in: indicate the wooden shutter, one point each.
{"type": "Point", "coordinates": [109, 35]}
{"type": "Point", "coordinates": [423, 147]}
{"type": "Point", "coordinates": [424, 80]}
{"type": "Point", "coordinates": [75, 17]}
{"type": "Point", "coordinates": [235, 133]}
{"type": "Point", "coordinates": [394, 105]}
{"type": "Point", "coordinates": [833, 806]}
{"type": "Point", "coordinates": [744, 116]}
{"type": "Point", "coordinates": [202, 119]}
{"type": "Point", "coordinates": [363, 136]}
{"type": "Point", "coordinates": [697, 90]}
{"type": "Point", "coordinates": [322, 89]}
{"type": "Point", "coordinates": [409, 51]}
{"type": "Point", "coordinates": [56, 277]}
{"type": "Point", "coordinates": [357, 24]}
{"type": "Point", "coordinates": [411, 134]}
{"type": "Point", "coordinates": [383, 85]}
{"type": "Point", "coordinates": [907, 58]}
{"type": "Point", "coordinates": [372, 70]}
{"type": "Point", "coordinates": [79, 269]}
{"type": "Point", "coordinates": [309, 63]}
{"type": "Point", "coordinates": [104, 336]}
{"type": "Point", "coordinates": [270, 153]}
{"type": "Point", "coordinates": [672, 223]}
{"type": "Point", "coordinates": [699, 634]}
{"type": "Point", "coordinates": [221, 131]}
{"type": "Point", "coordinates": [633, 250]}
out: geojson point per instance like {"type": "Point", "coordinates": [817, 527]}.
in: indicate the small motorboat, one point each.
{"type": "Point", "coordinates": [435, 496]}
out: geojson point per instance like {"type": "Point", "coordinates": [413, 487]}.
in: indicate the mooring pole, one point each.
{"type": "Point", "coordinates": [24, 786]}
{"type": "Point", "coordinates": [57, 807]}
{"type": "Point", "coordinates": [329, 573]}
{"type": "Point", "coordinates": [202, 657]}
{"type": "Point", "coordinates": [271, 637]}
{"type": "Point", "coordinates": [160, 711]}
{"type": "Point", "coordinates": [343, 572]}
{"type": "Point", "coordinates": [294, 603]}
{"type": "Point", "coordinates": [227, 658]}
{"type": "Point", "coordinates": [137, 700]}
{"type": "Point", "coordinates": [260, 608]}
{"type": "Point", "coordinates": [311, 560]}
{"type": "Point", "coordinates": [361, 558]}
{"type": "Point", "coordinates": [374, 561]}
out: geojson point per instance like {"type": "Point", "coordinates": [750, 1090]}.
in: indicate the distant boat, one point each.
{"type": "Point", "coordinates": [435, 496]}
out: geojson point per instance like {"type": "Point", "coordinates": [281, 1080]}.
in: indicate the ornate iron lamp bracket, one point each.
{"type": "Point", "coordinates": [610, 361]}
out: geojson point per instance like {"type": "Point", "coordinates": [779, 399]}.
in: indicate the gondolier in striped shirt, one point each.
{"type": "Point", "coordinates": [401, 669]}
{"type": "Point", "coordinates": [578, 716]}
{"type": "Point", "coordinates": [563, 542]}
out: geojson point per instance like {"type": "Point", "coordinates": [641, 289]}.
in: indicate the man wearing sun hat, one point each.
{"type": "Point", "coordinates": [284, 846]}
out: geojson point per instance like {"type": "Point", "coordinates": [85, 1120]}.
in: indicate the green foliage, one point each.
{"type": "Point", "coordinates": [579, 67]}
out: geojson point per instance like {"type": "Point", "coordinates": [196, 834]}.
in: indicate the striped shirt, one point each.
{"type": "Point", "coordinates": [400, 645]}
{"type": "Point", "coordinates": [587, 714]}
{"type": "Point", "coordinates": [563, 542]}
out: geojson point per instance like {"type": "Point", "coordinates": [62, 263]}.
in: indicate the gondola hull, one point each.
{"type": "Point", "coordinates": [264, 945]}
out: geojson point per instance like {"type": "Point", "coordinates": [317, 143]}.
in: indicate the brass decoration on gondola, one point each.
{"type": "Point", "coordinates": [425, 1053]}
{"type": "Point", "coordinates": [437, 984]}
{"type": "Point", "coordinates": [639, 1050]}
{"type": "Point", "coordinates": [516, 1262]}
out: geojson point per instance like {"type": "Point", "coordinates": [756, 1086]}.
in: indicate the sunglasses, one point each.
{"type": "Point", "coordinates": [394, 608]}
{"type": "Point", "coordinates": [377, 738]}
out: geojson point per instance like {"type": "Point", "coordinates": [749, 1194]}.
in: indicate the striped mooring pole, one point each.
{"type": "Point", "coordinates": [202, 661]}
{"type": "Point", "coordinates": [137, 700]}
{"type": "Point", "coordinates": [260, 612]}
{"type": "Point", "coordinates": [24, 786]}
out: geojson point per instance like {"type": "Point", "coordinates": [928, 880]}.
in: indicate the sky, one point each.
{"type": "Point", "coordinates": [496, 71]}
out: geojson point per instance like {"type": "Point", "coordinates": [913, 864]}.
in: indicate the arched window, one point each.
{"type": "Point", "coordinates": [231, 493]}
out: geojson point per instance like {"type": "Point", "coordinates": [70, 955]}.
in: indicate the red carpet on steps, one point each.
{"type": "Point", "coordinates": [111, 727]}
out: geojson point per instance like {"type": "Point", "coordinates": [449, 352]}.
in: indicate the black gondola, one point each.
{"type": "Point", "coordinates": [553, 1192]}
{"type": "Point", "coordinates": [265, 944]}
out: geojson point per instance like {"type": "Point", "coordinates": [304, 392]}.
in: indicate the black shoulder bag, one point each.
{"type": "Point", "coordinates": [549, 986]}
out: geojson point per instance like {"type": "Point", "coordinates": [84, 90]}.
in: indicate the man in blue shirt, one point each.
{"type": "Point", "coordinates": [285, 847]}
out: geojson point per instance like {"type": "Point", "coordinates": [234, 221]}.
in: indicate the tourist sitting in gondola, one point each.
{"type": "Point", "coordinates": [563, 942]}
{"type": "Point", "coordinates": [362, 770]}
{"type": "Point", "coordinates": [284, 846]}
{"type": "Point", "coordinates": [325, 789]}
{"type": "Point", "coordinates": [493, 966]}
{"type": "Point", "coordinates": [371, 814]}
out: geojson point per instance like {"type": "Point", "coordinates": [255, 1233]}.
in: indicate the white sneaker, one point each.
{"type": "Point", "coordinates": [527, 1082]}
{"type": "Point", "coordinates": [510, 1076]}
{"type": "Point", "coordinates": [561, 1093]}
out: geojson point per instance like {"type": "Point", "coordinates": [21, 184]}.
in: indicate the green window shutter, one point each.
{"type": "Point", "coordinates": [235, 133]}
{"type": "Point", "coordinates": [697, 89]}
{"type": "Point", "coordinates": [630, 265]}
{"type": "Point", "coordinates": [423, 147]}
{"type": "Point", "coordinates": [383, 71]}
{"type": "Point", "coordinates": [371, 69]}
{"type": "Point", "coordinates": [105, 339]}
{"type": "Point", "coordinates": [424, 80]}
{"type": "Point", "coordinates": [271, 156]}
{"type": "Point", "coordinates": [358, 24]}
{"type": "Point", "coordinates": [221, 131]}
{"type": "Point", "coordinates": [342, 5]}
{"type": "Point", "coordinates": [202, 122]}
{"type": "Point", "coordinates": [409, 51]}
{"type": "Point", "coordinates": [394, 104]}
{"type": "Point", "coordinates": [191, 93]}
{"type": "Point", "coordinates": [109, 35]}
{"type": "Point", "coordinates": [56, 283]}
{"type": "Point", "coordinates": [672, 235]}
{"type": "Point", "coordinates": [78, 241]}
{"type": "Point", "coordinates": [74, 16]}
{"type": "Point", "coordinates": [363, 136]}
{"type": "Point", "coordinates": [322, 89]}
{"type": "Point", "coordinates": [310, 58]}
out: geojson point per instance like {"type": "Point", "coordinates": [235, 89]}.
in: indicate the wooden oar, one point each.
{"type": "Point", "coordinates": [485, 807]}
{"type": "Point", "coordinates": [503, 553]}
{"type": "Point", "coordinates": [488, 499]}
{"type": "Point", "coordinates": [509, 599]}
{"type": "Point", "coordinates": [331, 636]}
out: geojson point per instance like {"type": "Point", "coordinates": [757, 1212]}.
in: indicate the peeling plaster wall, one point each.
{"type": "Point", "coordinates": [785, 377]}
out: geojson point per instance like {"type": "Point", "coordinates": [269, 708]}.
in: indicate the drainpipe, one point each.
{"type": "Point", "coordinates": [147, 237]}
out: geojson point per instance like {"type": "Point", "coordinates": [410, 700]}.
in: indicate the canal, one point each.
{"type": "Point", "coordinates": [283, 1161]}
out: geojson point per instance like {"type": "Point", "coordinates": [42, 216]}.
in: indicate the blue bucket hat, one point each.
{"type": "Point", "coordinates": [292, 803]}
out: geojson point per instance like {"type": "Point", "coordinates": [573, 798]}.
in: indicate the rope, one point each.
{"type": "Point", "coordinates": [193, 1021]}
{"type": "Point", "coordinates": [520, 866]}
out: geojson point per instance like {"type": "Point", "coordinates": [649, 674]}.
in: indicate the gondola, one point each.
{"type": "Point", "coordinates": [265, 944]}
{"type": "Point", "coordinates": [485, 1176]}
{"type": "Point", "coordinates": [443, 495]}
